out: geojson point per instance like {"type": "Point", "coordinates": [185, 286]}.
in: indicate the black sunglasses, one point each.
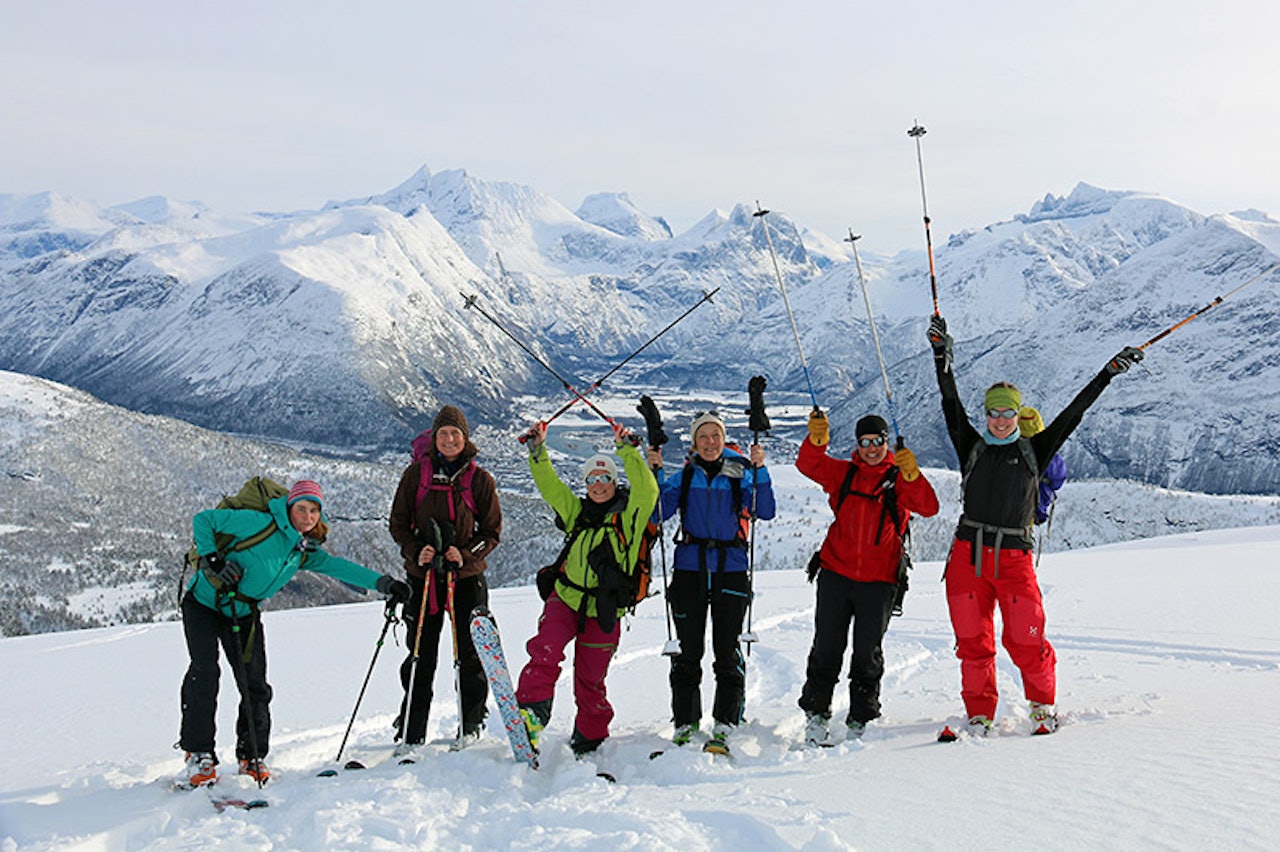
{"type": "Point", "coordinates": [877, 441]}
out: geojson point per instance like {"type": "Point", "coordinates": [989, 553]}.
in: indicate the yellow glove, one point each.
{"type": "Point", "coordinates": [819, 428]}
{"type": "Point", "coordinates": [907, 466]}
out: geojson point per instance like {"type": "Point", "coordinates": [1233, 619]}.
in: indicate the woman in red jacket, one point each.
{"type": "Point", "coordinates": [873, 496]}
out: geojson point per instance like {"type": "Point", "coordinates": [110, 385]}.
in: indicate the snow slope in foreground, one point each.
{"type": "Point", "coordinates": [1169, 677]}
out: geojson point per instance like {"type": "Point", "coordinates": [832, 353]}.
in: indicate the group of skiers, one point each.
{"type": "Point", "coordinates": [446, 519]}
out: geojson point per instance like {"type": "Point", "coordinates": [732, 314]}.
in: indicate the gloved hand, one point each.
{"type": "Point", "coordinates": [1126, 358]}
{"type": "Point", "coordinates": [907, 465]}
{"type": "Point", "coordinates": [219, 571]}
{"type": "Point", "coordinates": [938, 337]}
{"type": "Point", "coordinates": [397, 590]}
{"type": "Point", "coordinates": [819, 428]}
{"type": "Point", "coordinates": [535, 437]}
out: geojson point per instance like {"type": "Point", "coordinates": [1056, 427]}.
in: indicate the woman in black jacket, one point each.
{"type": "Point", "coordinates": [991, 558]}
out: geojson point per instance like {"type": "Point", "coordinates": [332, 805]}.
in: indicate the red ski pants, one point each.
{"type": "Point", "coordinates": [592, 650]}
{"type": "Point", "coordinates": [972, 598]}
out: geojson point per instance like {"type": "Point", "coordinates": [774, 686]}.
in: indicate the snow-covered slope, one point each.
{"type": "Point", "coordinates": [1166, 677]}
{"type": "Point", "coordinates": [96, 505]}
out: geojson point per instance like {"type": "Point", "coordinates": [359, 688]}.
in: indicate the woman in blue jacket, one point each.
{"type": "Point", "coordinates": [220, 607]}
{"type": "Point", "coordinates": [716, 493]}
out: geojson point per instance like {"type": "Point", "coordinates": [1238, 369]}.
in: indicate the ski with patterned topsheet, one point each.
{"type": "Point", "coordinates": [484, 635]}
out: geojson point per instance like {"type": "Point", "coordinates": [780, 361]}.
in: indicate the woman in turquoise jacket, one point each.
{"type": "Point", "coordinates": [221, 608]}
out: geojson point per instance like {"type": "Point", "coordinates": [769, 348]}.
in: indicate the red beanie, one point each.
{"type": "Point", "coordinates": [306, 489]}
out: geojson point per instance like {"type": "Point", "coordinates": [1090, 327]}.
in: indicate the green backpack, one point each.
{"type": "Point", "coordinates": [254, 495]}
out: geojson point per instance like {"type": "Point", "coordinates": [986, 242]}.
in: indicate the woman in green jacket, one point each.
{"type": "Point", "coordinates": [221, 608]}
{"type": "Point", "coordinates": [593, 588]}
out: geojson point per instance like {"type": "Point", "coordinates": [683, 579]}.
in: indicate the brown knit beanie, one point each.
{"type": "Point", "coordinates": [451, 415]}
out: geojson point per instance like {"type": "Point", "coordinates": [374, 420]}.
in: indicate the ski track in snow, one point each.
{"type": "Point", "coordinates": [86, 762]}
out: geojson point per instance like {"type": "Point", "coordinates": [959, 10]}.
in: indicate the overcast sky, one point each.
{"type": "Point", "coordinates": [687, 105]}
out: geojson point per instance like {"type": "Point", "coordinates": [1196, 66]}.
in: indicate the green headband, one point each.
{"type": "Point", "coordinates": [1003, 398]}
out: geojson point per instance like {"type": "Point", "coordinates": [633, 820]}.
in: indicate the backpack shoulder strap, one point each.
{"type": "Point", "coordinates": [686, 479]}
{"type": "Point", "coordinates": [256, 539]}
{"type": "Point", "coordinates": [1029, 456]}
{"type": "Point", "coordinates": [464, 486]}
{"type": "Point", "coordinates": [846, 487]}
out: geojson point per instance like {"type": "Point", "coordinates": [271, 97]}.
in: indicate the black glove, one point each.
{"type": "Point", "coordinates": [938, 337]}
{"type": "Point", "coordinates": [220, 572]}
{"type": "Point", "coordinates": [1126, 358]}
{"type": "Point", "coordinates": [397, 590]}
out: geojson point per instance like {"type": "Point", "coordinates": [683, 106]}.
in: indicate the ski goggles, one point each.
{"type": "Point", "coordinates": [877, 441]}
{"type": "Point", "coordinates": [603, 477]}
{"type": "Point", "coordinates": [1002, 413]}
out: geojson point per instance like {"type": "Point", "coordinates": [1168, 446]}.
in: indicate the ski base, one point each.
{"type": "Point", "coordinates": [221, 803]}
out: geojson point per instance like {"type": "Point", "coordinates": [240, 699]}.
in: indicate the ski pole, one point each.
{"type": "Point", "coordinates": [1217, 301]}
{"type": "Point", "coordinates": [470, 302]}
{"type": "Point", "coordinates": [388, 620]}
{"type": "Point", "coordinates": [706, 297]}
{"type": "Point", "coordinates": [917, 130]}
{"type": "Point", "coordinates": [246, 695]}
{"type": "Point", "coordinates": [417, 638]}
{"type": "Point", "coordinates": [657, 437]}
{"type": "Point", "coordinates": [457, 663]}
{"type": "Point", "coordinates": [852, 240]}
{"type": "Point", "coordinates": [758, 421]}
{"type": "Point", "coordinates": [777, 271]}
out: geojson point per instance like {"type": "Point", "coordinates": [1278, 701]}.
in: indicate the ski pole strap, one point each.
{"type": "Point", "coordinates": [231, 596]}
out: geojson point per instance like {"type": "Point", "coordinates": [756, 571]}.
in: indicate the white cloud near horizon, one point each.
{"type": "Point", "coordinates": [684, 106]}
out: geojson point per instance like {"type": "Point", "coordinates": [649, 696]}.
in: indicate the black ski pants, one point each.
{"type": "Point", "coordinates": [725, 595]}
{"type": "Point", "coordinates": [869, 606]}
{"type": "Point", "coordinates": [205, 630]}
{"type": "Point", "coordinates": [468, 593]}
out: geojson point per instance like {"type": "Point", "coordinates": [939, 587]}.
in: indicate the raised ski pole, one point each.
{"type": "Point", "coordinates": [917, 130]}
{"type": "Point", "coordinates": [777, 271]}
{"type": "Point", "coordinates": [706, 297]}
{"type": "Point", "coordinates": [852, 240]}
{"type": "Point", "coordinates": [1217, 301]}
{"type": "Point", "coordinates": [388, 619]}
{"type": "Point", "coordinates": [758, 421]}
{"type": "Point", "coordinates": [471, 302]}
{"type": "Point", "coordinates": [657, 437]}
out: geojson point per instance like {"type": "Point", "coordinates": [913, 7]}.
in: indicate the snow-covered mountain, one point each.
{"type": "Point", "coordinates": [345, 326]}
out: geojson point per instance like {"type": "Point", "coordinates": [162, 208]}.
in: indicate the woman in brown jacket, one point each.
{"type": "Point", "coordinates": [446, 519]}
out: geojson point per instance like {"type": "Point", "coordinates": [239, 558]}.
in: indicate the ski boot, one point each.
{"type": "Point", "coordinates": [817, 730]}
{"type": "Point", "coordinates": [201, 770]}
{"type": "Point", "coordinates": [719, 742]}
{"type": "Point", "coordinates": [255, 769]}
{"type": "Point", "coordinates": [684, 734]}
{"type": "Point", "coordinates": [1043, 719]}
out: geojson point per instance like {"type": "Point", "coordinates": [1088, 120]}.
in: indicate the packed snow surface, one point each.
{"type": "Point", "coordinates": [1169, 676]}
